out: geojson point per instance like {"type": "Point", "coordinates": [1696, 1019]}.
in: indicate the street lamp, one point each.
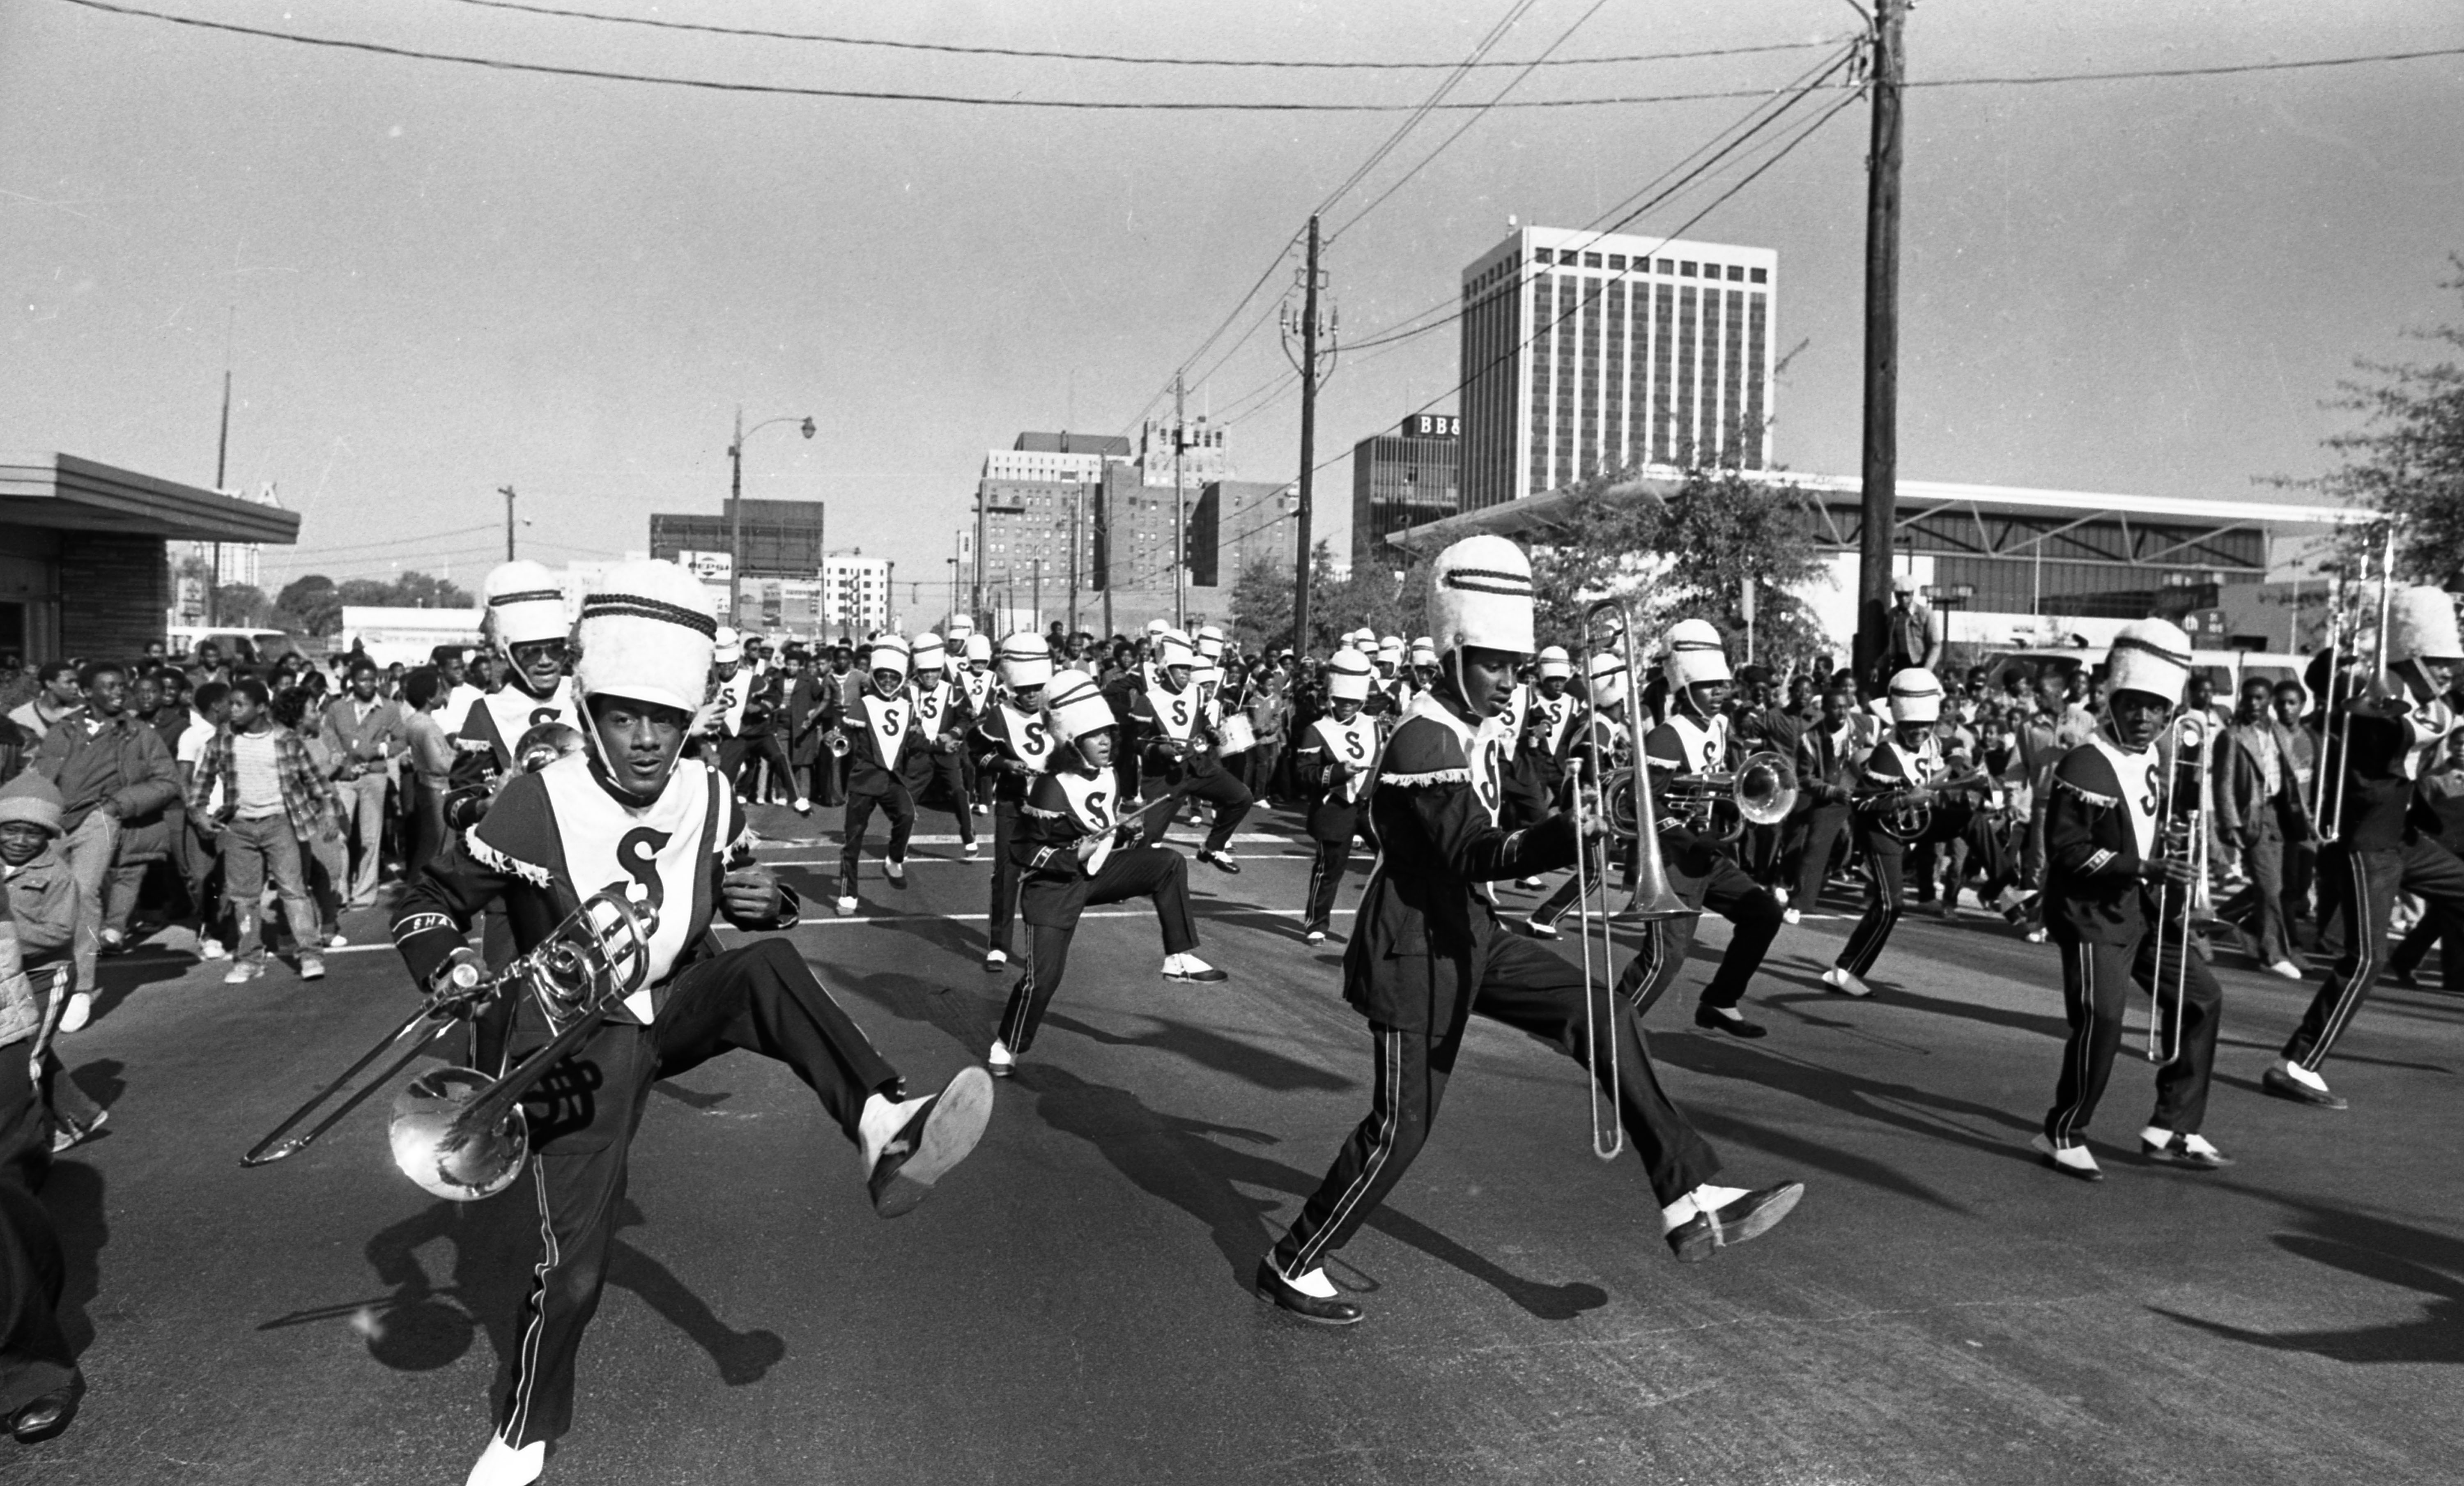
{"type": "Point", "coordinates": [736, 505]}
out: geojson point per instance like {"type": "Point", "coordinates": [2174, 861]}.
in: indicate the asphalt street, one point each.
{"type": "Point", "coordinates": [1072, 1305]}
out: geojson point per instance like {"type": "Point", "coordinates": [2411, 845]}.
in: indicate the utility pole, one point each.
{"type": "Point", "coordinates": [1105, 530]}
{"type": "Point", "coordinates": [507, 492]}
{"type": "Point", "coordinates": [976, 604]}
{"type": "Point", "coordinates": [1077, 504]}
{"type": "Point", "coordinates": [1039, 597]}
{"type": "Point", "coordinates": [1879, 518]}
{"type": "Point", "coordinates": [1309, 442]}
{"type": "Point", "coordinates": [736, 518]}
{"type": "Point", "coordinates": [222, 459]}
{"type": "Point", "coordinates": [1179, 515]}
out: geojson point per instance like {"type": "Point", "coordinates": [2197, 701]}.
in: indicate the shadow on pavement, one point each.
{"type": "Point", "coordinates": [2374, 1248]}
{"type": "Point", "coordinates": [1175, 1159]}
{"type": "Point", "coordinates": [72, 1195]}
{"type": "Point", "coordinates": [120, 976]}
{"type": "Point", "coordinates": [421, 1325]}
{"type": "Point", "coordinates": [1213, 1050]}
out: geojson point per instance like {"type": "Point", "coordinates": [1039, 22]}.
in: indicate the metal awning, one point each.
{"type": "Point", "coordinates": [1537, 518]}
{"type": "Point", "coordinates": [64, 493]}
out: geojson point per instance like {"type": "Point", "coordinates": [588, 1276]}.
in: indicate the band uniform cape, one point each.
{"type": "Point", "coordinates": [1685, 744]}
{"type": "Point", "coordinates": [554, 837]}
{"type": "Point", "coordinates": [883, 738]}
{"type": "Point", "coordinates": [1065, 807]}
{"type": "Point", "coordinates": [1004, 731]}
{"type": "Point", "coordinates": [1888, 773]}
{"type": "Point", "coordinates": [2100, 825]}
{"type": "Point", "coordinates": [1433, 807]}
{"type": "Point", "coordinates": [494, 726]}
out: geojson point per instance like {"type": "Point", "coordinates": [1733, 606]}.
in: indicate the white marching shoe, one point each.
{"type": "Point", "coordinates": [803, 806]}
{"type": "Point", "coordinates": [79, 1011]}
{"type": "Point", "coordinates": [1189, 966]}
{"type": "Point", "coordinates": [896, 872]}
{"type": "Point", "coordinates": [1845, 981]}
{"type": "Point", "coordinates": [2072, 1161]}
{"type": "Point", "coordinates": [846, 905]}
{"type": "Point", "coordinates": [1001, 1060]}
{"type": "Point", "coordinates": [1791, 916]}
{"type": "Point", "coordinates": [504, 1465]}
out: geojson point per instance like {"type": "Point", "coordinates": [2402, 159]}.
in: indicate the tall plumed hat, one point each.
{"type": "Point", "coordinates": [1608, 678]}
{"type": "Point", "coordinates": [2150, 655]}
{"type": "Point", "coordinates": [1076, 705]}
{"type": "Point", "coordinates": [1916, 695]}
{"type": "Point", "coordinates": [1555, 662]}
{"type": "Point", "coordinates": [1695, 654]}
{"type": "Point", "coordinates": [525, 603]}
{"type": "Point", "coordinates": [1348, 676]}
{"type": "Point", "coordinates": [1479, 595]}
{"type": "Point", "coordinates": [929, 655]}
{"type": "Point", "coordinates": [889, 653]}
{"type": "Point", "coordinates": [2421, 625]}
{"type": "Point", "coordinates": [979, 647]}
{"type": "Point", "coordinates": [1025, 660]}
{"type": "Point", "coordinates": [1173, 649]}
{"type": "Point", "coordinates": [727, 645]}
{"type": "Point", "coordinates": [646, 634]}
{"type": "Point", "coordinates": [1210, 642]}
{"type": "Point", "coordinates": [1425, 651]}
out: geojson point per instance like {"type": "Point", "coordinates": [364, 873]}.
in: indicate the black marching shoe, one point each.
{"type": "Point", "coordinates": [2192, 1151]}
{"type": "Point", "coordinates": [1712, 1019]}
{"type": "Point", "coordinates": [1750, 1216]}
{"type": "Point", "coordinates": [49, 1416]}
{"type": "Point", "coordinates": [1221, 860]}
{"type": "Point", "coordinates": [2283, 1085]}
{"type": "Point", "coordinates": [1275, 1289]}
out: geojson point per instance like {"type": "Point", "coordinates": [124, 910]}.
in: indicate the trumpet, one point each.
{"type": "Point", "coordinates": [1762, 790]}
{"type": "Point", "coordinates": [836, 741]}
{"type": "Point", "coordinates": [455, 1131]}
{"type": "Point", "coordinates": [1910, 819]}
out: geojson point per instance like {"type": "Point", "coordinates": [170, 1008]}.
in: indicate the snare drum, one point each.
{"type": "Point", "coordinates": [1239, 738]}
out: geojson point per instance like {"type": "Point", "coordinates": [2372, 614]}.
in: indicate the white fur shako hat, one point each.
{"type": "Point", "coordinates": [1076, 705]}
{"type": "Point", "coordinates": [646, 634]}
{"type": "Point", "coordinates": [1555, 662]}
{"type": "Point", "coordinates": [728, 645]}
{"type": "Point", "coordinates": [929, 655]}
{"type": "Point", "coordinates": [1348, 676]}
{"type": "Point", "coordinates": [1390, 650]}
{"type": "Point", "coordinates": [1025, 660]}
{"type": "Point", "coordinates": [1479, 595]}
{"type": "Point", "coordinates": [1156, 627]}
{"type": "Point", "coordinates": [1210, 642]}
{"type": "Point", "coordinates": [1425, 651]}
{"type": "Point", "coordinates": [1173, 649]}
{"type": "Point", "coordinates": [1695, 654]}
{"type": "Point", "coordinates": [2421, 625]}
{"type": "Point", "coordinates": [960, 626]}
{"type": "Point", "coordinates": [889, 653]}
{"type": "Point", "coordinates": [525, 603]}
{"type": "Point", "coordinates": [2150, 655]}
{"type": "Point", "coordinates": [979, 647]}
{"type": "Point", "coordinates": [1608, 678]}
{"type": "Point", "coordinates": [1916, 696]}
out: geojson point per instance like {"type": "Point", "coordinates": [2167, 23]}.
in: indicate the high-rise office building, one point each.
{"type": "Point", "coordinates": [1588, 351]}
{"type": "Point", "coordinates": [1233, 524]}
{"type": "Point", "coordinates": [783, 538]}
{"type": "Point", "coordinates": [1035, 499]}
{"type": "Point", "coordinates": [1401, 480]}
{"type": "Point", "coordinates": [855, 595]}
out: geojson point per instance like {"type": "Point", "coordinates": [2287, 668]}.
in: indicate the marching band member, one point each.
{"type": "Point", "coordinates": [1541, 732]}
{"type": "Point", "coordinates": [1690, 747]}
{"type": "Point", "coordinates": [1336, 758]}
{"type": "Point", "coordinates": [976, 680]}
{"type": "Point", "coordinates": [1013, 746]}
{"type": "Point", "coordinates": [1826, 772]}
{"type": "Point", "coordinates": [1598, 743]}
{"type": "Point", "coordinates": [633, 814]}
{"type": "Point", "coordinates": [1899, 774]}
{"type": "Point", "coordinates": [1392, 678]}
{"type": "Point", "coordinates": [2387, 832]}
{"type": "Point", "coordinates": [2107, 890]}
{"type": "Point", "coordinates": [1168, 725]}
{"type": "Point", "coordinates": [526, 617]}
{"type": "Point", "coordinates": [1068, 849]}
{"type": "Point", "coordinates": [883, 741]}
{"type": "Point", "coordinates": [1423, 669]}
{"type": "Point", "coordinates": [1429, 951]}
{"type": "Point", "coordinates": [943, 718]}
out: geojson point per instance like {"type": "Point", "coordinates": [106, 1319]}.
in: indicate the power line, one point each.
{"type": "Point", "coordinates": [866, 94]}
{"type": "Point", "coordinates": [1488, 43]}
{"type": "Point", "coordinates": [1279, 63]}
{"type": "Point", "coordinates": [781, 90]}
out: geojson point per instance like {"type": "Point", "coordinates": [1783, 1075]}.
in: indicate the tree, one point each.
{"type": "Point", "coordinates": [2405, 458]}
{"type": "Point", "coordinates": [313, 601]}
{"type": "Point", "coordinates": [1686, 555]}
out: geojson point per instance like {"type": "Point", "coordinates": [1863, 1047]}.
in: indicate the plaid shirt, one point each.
{"type": "Point", "coordinates": [308, 797]}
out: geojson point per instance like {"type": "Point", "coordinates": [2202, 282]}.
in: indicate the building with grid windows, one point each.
{"type": "Point", "coordinates": [1592, 351]}
{"type": "Point", "coordinates": [1401, 480]}
{"type": "Point", "coordinates": [1037, 506]}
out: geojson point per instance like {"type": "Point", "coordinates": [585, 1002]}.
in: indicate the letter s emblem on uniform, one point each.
{"type": "Point", "coordinates": [1037, 740]}
{"type": "Point", "coordinates": [545, 714]}
{"type": "Point", "coordinates": [638, 854]}
{"type": "Point", "coordinates": [1180, 711]}
{"type": "Point", "coordinates": [1351, 745]}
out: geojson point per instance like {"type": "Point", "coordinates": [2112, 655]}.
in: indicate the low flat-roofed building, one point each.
{"type": "Point", "coordinates": [83, 563]}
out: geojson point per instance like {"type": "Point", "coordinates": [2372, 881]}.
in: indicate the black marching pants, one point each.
{"type": "Point", "coordinates": [762, 998]}
{"type": "Point", "coordinates": [1751, 912]}
{"type": "Point", "coordinates": [1885, 863]}
{"type": "Point", "coordinates": [1331, 826]}
{"type": "Point", "coordinates": [2363, 886]}
{"type": "Point", "coordinates": [1217, 788]}
{"type": "Point", "coordinates": [34, 1355]}
{"type": "Point", "coordinates": [1051, 908]}
{"type": "Point", "coordinates": [997, 930]}
{"type": "Point", "coordinates": [1824, 825]}
{"type": "Point", "coordinates": [1511, 980]}
{"type": "Point", "coordinates": [2432, 932]}
{"type": "Point", "coordinates": [2097, 985]}
{"type": "Point", "coordinates": [951, 768]}
{"type": "Point", "coordinates": [895, 803]}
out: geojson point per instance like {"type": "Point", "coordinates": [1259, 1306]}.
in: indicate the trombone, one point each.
{"type": "Point", "coordinates": [2181, 835]}
{"type": "Point", "coordinates": [2329, 824]}
{"type": "Point", "coordinates": [1763, 791]}
{"type": "Point", "coordinates": [1653, 902]}
{"type": "Point", "coordinates": [455, 1131]}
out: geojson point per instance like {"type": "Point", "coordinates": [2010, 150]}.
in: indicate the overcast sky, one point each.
{"type": "Point", "coordinates": [437, 279]}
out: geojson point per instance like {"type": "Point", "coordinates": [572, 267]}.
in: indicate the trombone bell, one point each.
{"type": "Point", "coordinates": [457, 1168]}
